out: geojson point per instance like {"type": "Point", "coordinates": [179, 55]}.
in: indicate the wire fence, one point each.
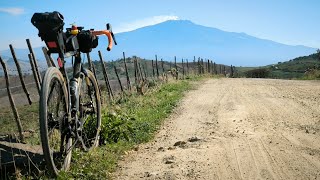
{"type": "Point", "coordinates": [20, 148]}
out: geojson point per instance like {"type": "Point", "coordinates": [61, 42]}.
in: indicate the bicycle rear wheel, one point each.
{"type": "Point", "coordinates": [55, 136]}
{"type": "Point", "coordinates": [90, 111]}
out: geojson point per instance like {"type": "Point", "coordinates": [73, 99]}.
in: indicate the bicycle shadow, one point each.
{"type": "Point", "coordinates": [20, 159]}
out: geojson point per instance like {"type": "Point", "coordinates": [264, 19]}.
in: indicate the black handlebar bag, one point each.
{"type": "Point", "coordinates": [50, 26]}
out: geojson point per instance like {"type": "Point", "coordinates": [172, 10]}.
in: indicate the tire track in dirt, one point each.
{"type": "Point", "coordinates": [235, 129]}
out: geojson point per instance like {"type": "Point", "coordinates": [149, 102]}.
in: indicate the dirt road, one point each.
{"type": "Point", "coordinates": [235, 129]}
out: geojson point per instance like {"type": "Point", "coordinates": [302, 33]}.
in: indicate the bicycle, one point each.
{"type": "Point", "coordinates": [70, 110]}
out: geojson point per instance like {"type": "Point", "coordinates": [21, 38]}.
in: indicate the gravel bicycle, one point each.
{"type": "Point", "coordinates": [70, 108]}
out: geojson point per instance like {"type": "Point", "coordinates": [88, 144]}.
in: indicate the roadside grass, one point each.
{"type": "Point", "coordinates": [129, 121]}
{"type": "Point", "coordinates": [134, 120]}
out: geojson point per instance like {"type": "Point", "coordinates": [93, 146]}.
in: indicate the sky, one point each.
{"type": "Point", "coordinates": [293, 22]}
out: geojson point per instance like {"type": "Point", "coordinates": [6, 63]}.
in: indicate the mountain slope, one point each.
{"type": "Point", "coordinates": [185, 39]}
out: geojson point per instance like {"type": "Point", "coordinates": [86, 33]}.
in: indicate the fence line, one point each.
{"type": "Point", "coordinates": [142, 75]}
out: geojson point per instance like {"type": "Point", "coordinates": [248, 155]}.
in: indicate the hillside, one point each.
{"type": "Point", "coordinates": [294, 68]}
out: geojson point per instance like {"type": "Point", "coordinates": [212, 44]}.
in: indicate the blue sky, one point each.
{"type": "Point", "coordinates": [294, 22]}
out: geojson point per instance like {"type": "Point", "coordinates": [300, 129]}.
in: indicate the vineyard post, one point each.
{"type": "Point", "coordinates": [153, 73]}
{"type": "Point", "coordinates": [127, 74]}
{"type": "Point", "coordinates": [34, 73]}
{"type": "Point", "coordinates": [162, 68]}
{"type": "Point", "coordinates": [202, 63]}
{"type": "Point", "coordinates": [194, 64]}
{"type": "Point", "coordinates": [139, 74]}
{"type": "Point", "coordinates": [20, 73]}
{"type": "Point", "coordinates": [211, 66]}
{"type": "Point", "coordinates": [231, 71]}
{"type": "Point", "coordinates": [145, 69]}
{"type": "Point", "coordinates": [143, 78]}
{"type": "Point", "coordinates": [49, 60]}
{"type": "Point", "coordinates": [157, 66]}
{"type": "Point", "coordinates": [115, 70]}
{"type": "Point", "coordinates": [182, 69]}
{"type": "Point", "coordinates": [175, 66]}
{"type": "Point", "coordinates": [199, 70]}
{"type": "Point", "coordinates": [187, 67]}
{"type": "Point", "coordinates": [13, 106]}
{"type": "Point", "coordinates": [91, 66]}
{"type": "Point", "coordinates": [35, 62]}
{"type": "Point", "coordinates": [135, 71]}
{"type": "Point", "coordinates": [105, 75]}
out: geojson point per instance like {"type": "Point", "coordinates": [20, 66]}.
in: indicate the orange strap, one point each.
{"type": "Point", "coordinates": [108, 34]}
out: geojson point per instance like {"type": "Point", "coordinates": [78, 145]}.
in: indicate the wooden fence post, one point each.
{"type": "Point", "coordinates": [104, 70]}
{"type": "Point", "coordinates": [208, 66]}
{"type": "Point", "coordinates": [199, 69]}
{"type": "Point", "coordinates": [182, 69]}
{"type": "Point", "coordinates": [141, 73]}
{"type": "Point", "coordinates": [163, 73]}
{"type": "Point", "coordinates": [153, 68]}
{"type": "Point", "coordinates": [231, 71]}
{"type": "Point", "coordinates": [187, 67]}
{"type": "Point", "coordinates": [211, 68]}
{"type": "Point", "coordinates": [34, 72]}
{"type": "Point", "coordinates": [13, 106]}
{"type": "Point", "coordinates": [49, 60]}
{"type": "Point", "coordinates": [202, 66]}
{"type": "Point", "coordinates": [127, 74]}
{"type": "Point", "coordinates": [145, 69]}
{"type": "Point", "coordinates": [115, 70]}
{"type": "Point", "coordinates": [224, 70]}
{"type": "Point", "coordinates": [135, 71]}
{"type": "Point", "coordinates": [91, 66]}
{"type": "Point", "coordinates": [194, 65]}
{"type": "Point", "coordinates": [20, 73]}
{"type": "Point", "coordinates": [215, 68]}
{"type": "Point", "coordinates": [157, 66]}
{"type": "Point", "coordinates": [175, 66]}
{"type": "Point", "coordinates": [35, 62]}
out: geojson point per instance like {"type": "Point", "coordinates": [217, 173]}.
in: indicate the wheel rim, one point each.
{"type": "Point", "coordinates": [58, 142]}
{"type": "Point", "coordinates": [89, 115]}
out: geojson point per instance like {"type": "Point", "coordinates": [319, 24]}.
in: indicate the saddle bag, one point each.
{"type": "Point", "coordinates": [50, 26]}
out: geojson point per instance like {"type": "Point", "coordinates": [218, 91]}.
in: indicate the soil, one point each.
{"type": "Point", "coordinates": [235, 129]}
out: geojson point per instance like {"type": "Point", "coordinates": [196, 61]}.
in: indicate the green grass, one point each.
{"type": "Point", "coordinates": [28, 115]}
{"type": "Point", "coordinates": [143, 115]}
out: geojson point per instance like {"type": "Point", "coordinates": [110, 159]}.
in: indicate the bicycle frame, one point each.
{"type": "Point", "coordinates": [73, 97]}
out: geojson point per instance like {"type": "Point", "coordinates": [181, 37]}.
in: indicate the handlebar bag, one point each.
{"type": "Point", "coordinates": [50, 26]}
{"type": "Point", "coordinates": [87, 41]}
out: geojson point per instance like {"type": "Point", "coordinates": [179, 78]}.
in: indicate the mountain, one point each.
{"type": "Point", "coordinates": [184, 39]}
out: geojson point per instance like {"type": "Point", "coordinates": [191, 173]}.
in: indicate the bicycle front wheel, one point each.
{"type": "Point", "coordinates": [90, 111]}
{"type": "Point", "coordinates": [54, 132]}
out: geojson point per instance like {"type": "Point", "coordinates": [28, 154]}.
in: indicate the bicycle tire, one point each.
{"type": "Point", "coordinates": [90, 111]}
{"type": "Point", "coordinates": [56, 144]}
